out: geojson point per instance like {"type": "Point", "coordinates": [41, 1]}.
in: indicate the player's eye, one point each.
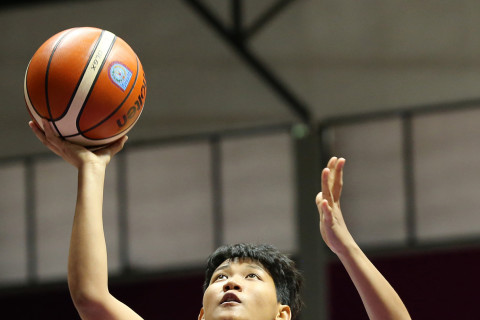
{"type": "Point", "coordinates": [221, 277]}
{"type": "Point", "coordinates": [253, 275]}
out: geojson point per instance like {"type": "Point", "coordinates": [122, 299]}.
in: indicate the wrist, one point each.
{"type": "Point", "coordinates": [349, 251]}
{"type": "Point", "coordinates": [92, 167]}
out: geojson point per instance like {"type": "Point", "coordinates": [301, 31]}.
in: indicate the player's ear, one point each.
{"type": "Point", "coordinates": [201, 315]}
{"type": "Point", "coordinates": [284, 312]}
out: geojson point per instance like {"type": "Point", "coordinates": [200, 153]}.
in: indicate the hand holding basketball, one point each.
{"type": "Point", "coordinates": [73, 153]}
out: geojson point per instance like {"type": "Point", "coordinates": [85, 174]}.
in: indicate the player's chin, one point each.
{"type": "Point", "coordinates": [230, 311]}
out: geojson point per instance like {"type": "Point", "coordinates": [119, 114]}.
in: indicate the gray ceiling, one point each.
{"type": "Point", "coordinates": [337, 57]}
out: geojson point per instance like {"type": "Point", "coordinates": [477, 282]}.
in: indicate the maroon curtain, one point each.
{"type": "Point", "coordinates": [433, 285]}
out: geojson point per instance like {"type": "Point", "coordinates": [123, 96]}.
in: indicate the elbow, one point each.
{"type": "Point", "coordinates": [84, 301]}
{"type": "Point", "coordinates": [89, 304]}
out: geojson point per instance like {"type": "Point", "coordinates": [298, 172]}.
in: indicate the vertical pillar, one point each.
{"type": "Point", "coordinates": [312, 256]}
{"type": "Point", "coordinates": [217, 193]}
{"type": "Point", "coordinates": [122, 198]}
{"type": "Point", "coordinates": [409, 179]}
{"type": "Point", "coordinates": [31, 221]}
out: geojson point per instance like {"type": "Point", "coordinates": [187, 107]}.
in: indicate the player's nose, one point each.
{"type": "Point", "coordinates": [232, 284]}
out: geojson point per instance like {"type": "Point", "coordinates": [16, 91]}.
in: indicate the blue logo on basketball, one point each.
{"type": "Point", "coordinates": [120, 75]}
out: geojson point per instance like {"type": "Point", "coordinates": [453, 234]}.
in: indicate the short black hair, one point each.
{"type": "Point", "coordinates": [288, 280]}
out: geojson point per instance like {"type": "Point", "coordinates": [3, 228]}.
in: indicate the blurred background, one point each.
{"type": "Point", "coordinates": [246, 102]}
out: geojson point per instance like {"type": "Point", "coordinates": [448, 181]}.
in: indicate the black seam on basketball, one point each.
{"type": "Point", "coordinates": [118, 133]}
{"type": "Point", "coordinates": [28, 96]}
{"type": "Point", "coordinates": [77, 122]}
{"type": "Point", "coordinates": [26, 88]}
{"type": "Point", "coordinates": [115, 111]}
{"type": "Point", "coordinates": [46, 81]}
{"type": "Point", "coordinates": [111, 115]}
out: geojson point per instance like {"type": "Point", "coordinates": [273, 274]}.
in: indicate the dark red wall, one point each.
{"type": "Point", "coordinates": [172, 298]}
{"type": "Point", "coordinates": [435, 285]}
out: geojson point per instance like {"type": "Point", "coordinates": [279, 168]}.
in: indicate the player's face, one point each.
{"type": "Point", "coordinates": [242, 289]}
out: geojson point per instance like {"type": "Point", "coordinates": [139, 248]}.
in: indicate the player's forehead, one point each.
{"type": "Point", "coordinates": [241, 262]}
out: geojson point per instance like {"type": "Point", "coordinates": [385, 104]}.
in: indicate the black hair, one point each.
{"type": "Point", "coordinates": [288, 280]}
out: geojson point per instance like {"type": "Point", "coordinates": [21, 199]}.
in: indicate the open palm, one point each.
{"type": "Point", "coordinates": [332, 225]}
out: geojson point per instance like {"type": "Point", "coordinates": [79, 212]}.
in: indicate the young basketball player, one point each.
{"type": "Point", "coordinates": [242, 281]}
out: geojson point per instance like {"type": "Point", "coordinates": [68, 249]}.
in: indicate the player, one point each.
{"type": "Point", "coordinates": [242, 281]}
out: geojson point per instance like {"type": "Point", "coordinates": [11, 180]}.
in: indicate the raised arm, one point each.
{"type": "Point", "coordinates": [378, 296]}
{"type": "Point", "coordinates": [87, 260]}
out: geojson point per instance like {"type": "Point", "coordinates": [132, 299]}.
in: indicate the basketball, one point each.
{"type": "Point", "coordinates": [88, 83]}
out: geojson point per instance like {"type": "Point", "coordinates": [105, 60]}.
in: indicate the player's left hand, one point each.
{"type": "Point", "coordinates": [332, 225]}
{"type": "Point", "coordinates": [75, 154]}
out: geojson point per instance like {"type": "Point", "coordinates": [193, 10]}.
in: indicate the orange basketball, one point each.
{"type": "Point", "coordinates": [88, 83]}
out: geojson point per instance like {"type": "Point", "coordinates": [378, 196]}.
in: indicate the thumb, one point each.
{"type": "Point", "coordinates": [113, 148]}
{"type": "Point", "coordinates": [327, 211]}
{"type": "Point", "coordinates": [118, 145]}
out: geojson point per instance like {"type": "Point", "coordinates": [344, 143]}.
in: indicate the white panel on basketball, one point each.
{"type": "Point", "coordinates": [64, 125]}
{"type": "Point", "coordinates": [34, 113]}
{"type": "Point", "coordinates": [97, 142]}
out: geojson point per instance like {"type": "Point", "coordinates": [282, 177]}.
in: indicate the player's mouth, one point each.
{"type": "Point", "coordinates": [230, 299]}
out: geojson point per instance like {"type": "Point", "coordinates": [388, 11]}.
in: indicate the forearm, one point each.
{"type": "Point", "coordinates": [378, 296]}
{"type": "Point", "coordinates": [87, 261]}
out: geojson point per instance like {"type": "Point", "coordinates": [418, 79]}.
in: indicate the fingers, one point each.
{"type": "Point", "coordinates": [338, 180]}
{"type": "Point", "coordinates": [331, 163]}
{"type": "Point", "coordinates": [332, 180]}
{"type": "Point", "coordinates": [327, 212]}
{"type": "Point", "coordinates": [318, 201]}
{"type": "Point", "coordinates": [42, 136]}
{"type": "Point", "coordinates": [115, 147]}
{"type": "Point", "coordinates": [326, 192]}
{"type": "Point", "coordinates": [324, 210]}
{"type": "Point", "coordinates": [37, 131]}
{"type": "Point", "coordinates": [327, 180]}
{"type": "Point", "coordinates": [106, 153]}
{"type": "Point", "coordinates": [53, 141]}
{"type": "Point", "coordinates": [49, 133]}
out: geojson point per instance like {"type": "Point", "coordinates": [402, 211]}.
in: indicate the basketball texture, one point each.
{"type": "Point", "coordinates": [88, 83]}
